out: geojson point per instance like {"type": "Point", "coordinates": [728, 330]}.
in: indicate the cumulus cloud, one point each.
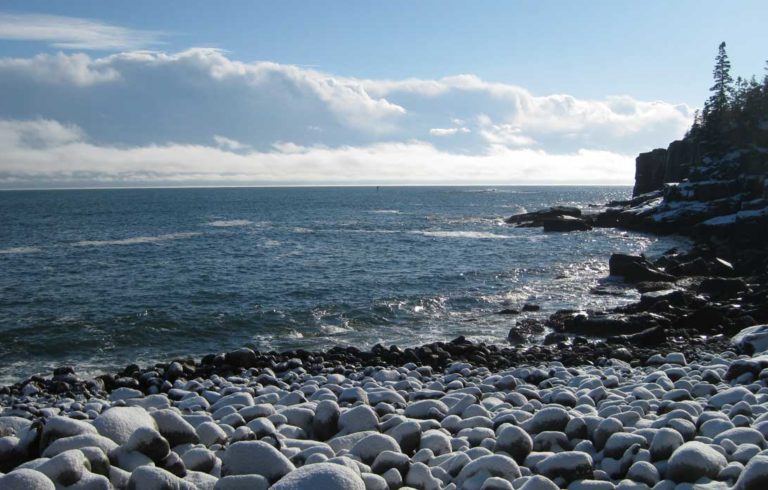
{"type": "Point", "coordinates": [73, 33]}
{"type": "Point", "coordinates": [198, 115]}
{"type": "Point", "coordinates": [67, 158]}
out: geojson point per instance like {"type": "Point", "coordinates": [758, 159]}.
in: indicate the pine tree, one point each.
{"type": "Point", "coordinates": [722, 90]}
{"type": "Point", "coordinates": [716, 109]}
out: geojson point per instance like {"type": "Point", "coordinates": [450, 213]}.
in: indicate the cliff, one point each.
{"type": "Point", "coordinates": [655, 168]}
{"type": "Point", "coordinates": [720, 200]}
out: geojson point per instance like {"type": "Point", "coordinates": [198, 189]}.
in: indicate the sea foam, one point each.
{"type": "Point", "coordinates": [231, 222]}
{"type": "Point", "coordinates": [463, 234]}
{"type": "Point", "coordinates": [136, 240]}
{"type": "Point", "coordinates": [20, 250]}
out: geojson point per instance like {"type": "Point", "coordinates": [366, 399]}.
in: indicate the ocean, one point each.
{"type": "Point", "coordinates": [99, 279]}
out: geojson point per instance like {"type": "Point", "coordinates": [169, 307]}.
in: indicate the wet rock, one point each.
{"type": "Point", "coordinates": [636, 269]}
{"type": "Point", "coordinates": [565, 223]}
{"type": "Point", "coordinates": [537, 218]}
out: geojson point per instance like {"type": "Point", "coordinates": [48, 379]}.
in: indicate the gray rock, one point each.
{"type": "Point", "coordinates": [326, 476]}
{"type": "Point", "coordinates": [242, 482]}
{"type": "Point", "coordinates": [570, 466]}
{"type": "Point", "coordinates": [118, 423]}
{"type": "Point", "coordinates": [255, 458]}
{"type": "Point", "coordinates": [26, 479]}
{"type": "Point", "coordinates": [514, 441]}
{"type": "Point", "coordinates": [694, 460]}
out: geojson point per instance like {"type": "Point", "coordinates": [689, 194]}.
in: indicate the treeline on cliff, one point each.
{"type": "Point", "coordinates": [736, 113]}
{"type": "Point", "coordinates": [734, 118]}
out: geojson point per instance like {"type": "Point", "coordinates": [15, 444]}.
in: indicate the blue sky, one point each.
{"type": "Point", "coordinates": [282, 92]}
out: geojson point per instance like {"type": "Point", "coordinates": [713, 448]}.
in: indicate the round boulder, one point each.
{"type": "Point", "coordinates": [694, 460]}
{"type": "Point", "coordinates": [328, 476]}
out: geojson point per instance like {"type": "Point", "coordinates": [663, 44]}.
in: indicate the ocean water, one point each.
{"type": "Point", "coordinates": [103, 278]}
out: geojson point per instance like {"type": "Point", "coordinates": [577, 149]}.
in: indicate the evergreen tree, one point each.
{"type": "Point", "coordinates": [716, 109]}
{"type": "Point", "coordinates": [722, 90]}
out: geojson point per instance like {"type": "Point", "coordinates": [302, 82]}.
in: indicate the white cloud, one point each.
{"type": "Point", "coordinates": [37, 134]}
{"type": "Point", "coordinates": [73, 33]}
{"type": "Point", "coordinates": [198, 115]}
{"type": "Point", "coordinates": [70, 159]}
{"type": "Point", "coordinates": [76, 69]}
{"type": "Point", "coordinates": [448, 131]}
{"type": "Point", "coordinates": [507, 135]}
{"type": "Point", "coordinates": [229, 143]}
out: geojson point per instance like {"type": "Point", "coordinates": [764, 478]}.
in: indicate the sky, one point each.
{"type": "Point", "coordinates": [104, 94]}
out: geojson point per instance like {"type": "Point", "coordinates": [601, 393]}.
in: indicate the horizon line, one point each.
{"type": "Point", "coordinates": [301, 186]}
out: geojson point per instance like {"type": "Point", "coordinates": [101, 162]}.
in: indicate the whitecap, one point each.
{"type": "Point", "coordinates": [20, 250]}
{"type": "Point", "coordinates": [334, 329]}
{"type": "Point", "coordinates": [224, 223]}
{"type": "Point", "coordinates": [463, 234]}
{"type": "Point", "coordinates": [386, 211]}
{"type": "Point", "coordinates": [135, 240]}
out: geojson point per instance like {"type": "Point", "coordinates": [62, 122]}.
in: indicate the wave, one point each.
{"type": "Point", "coordinates": [385, 211]}
{"type": "Point", "coordinates": [464, 234]}
{"type": "Point", "coordinates": [136, 240]}
{"type": "Point", "coordinates": [224, 223]}
{"type": "Point", "coordinates": [20, 250]}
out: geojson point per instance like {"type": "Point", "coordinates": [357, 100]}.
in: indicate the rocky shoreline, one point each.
{"type": "Point", "coordinates": [664, 393]}
{"type": "Point", "coordinates": [669, 392]}
{"type": "Point", "coordinates": [592, 421]}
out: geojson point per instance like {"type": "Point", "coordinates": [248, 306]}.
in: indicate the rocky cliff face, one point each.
{"type": "Point", "coordinates": [718, 200]}
{"type": "Point", "coordinates": [655, 168]}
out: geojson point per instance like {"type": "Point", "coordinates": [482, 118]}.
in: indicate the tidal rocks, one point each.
{"type": "Point", "coordinates": [537, 218]}
{"type": "Point", "coordinates": [636, 269]}
{"type": "Point", "coordinates": [566, 223]}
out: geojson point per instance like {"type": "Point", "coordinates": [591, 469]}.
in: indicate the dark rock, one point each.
{"type": "Point", "coordinates": [676, 297]}
{"type": "Point", "coordinates": [514, 336]}
{"type": "Point", "coordinates": [531, 307]}
{"type": "Point", "coordinates": [565, 223]}
{"type": "Point", "coordinates": [649, 171]}
{"type": "Point", "coordinates": [648, 338]}
{"type": "Point", "coordinates": [708, 319]}
{"type": "Point", "coordinates": [636, 268]}
{"type": "Point", "coordinates": [508, 311]}
{"type": "Point", "coordinates": [695, 267]}
{"type": "Point", "coordinates": [554, 338]}
{"type": "Point", "coordinates": [242, 358]}
{"type": "Point", "coordinates": [536, 218]}
{"type": "Point", "coordinates": [721, 288]}
{"type": "Point", "coordinates": [601, 324]}
{"type": "Point", "coordinates": [649, 286]}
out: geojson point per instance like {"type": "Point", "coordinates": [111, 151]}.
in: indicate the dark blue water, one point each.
{"type": "Point", "coordinates": [103, 278]}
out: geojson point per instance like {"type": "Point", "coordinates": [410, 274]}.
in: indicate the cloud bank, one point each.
{"type": "Point", "coordinates": [198, 116]}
